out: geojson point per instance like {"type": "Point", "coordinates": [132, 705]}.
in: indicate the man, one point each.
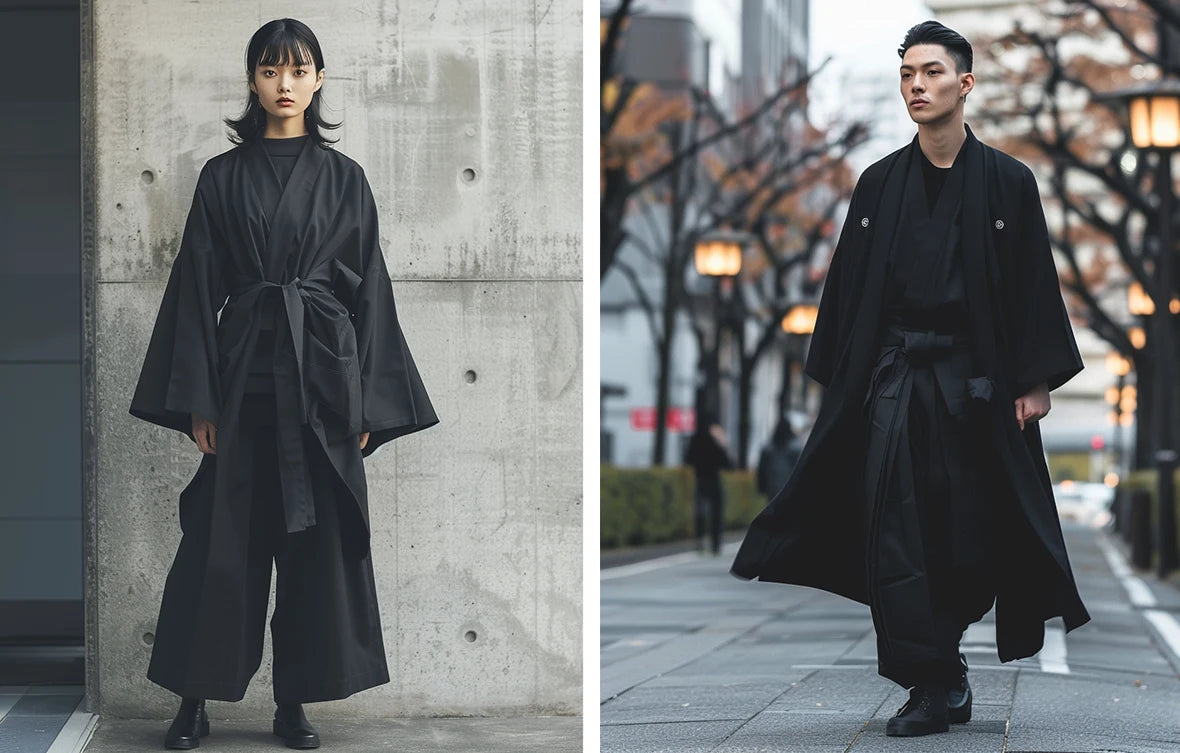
{"type": "Point", "coordinates": [778, 458]}
{"type": "Point", "coordinates": [922, 491]}
{"type": "Point", "coordinates": [707, 456]}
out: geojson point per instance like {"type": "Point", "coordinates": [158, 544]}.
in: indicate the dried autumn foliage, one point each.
{"type": "Point", "coordinates": [1043, 106]}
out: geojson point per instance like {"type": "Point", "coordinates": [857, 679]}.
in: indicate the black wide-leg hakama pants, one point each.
{"type": "Point", "coordinates": [325, 630]}
{"type": "Point", "coordinates": [930, 534]}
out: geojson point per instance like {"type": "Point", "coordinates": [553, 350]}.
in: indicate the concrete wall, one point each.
{"type": "Point", "coordinates": [476, 522]}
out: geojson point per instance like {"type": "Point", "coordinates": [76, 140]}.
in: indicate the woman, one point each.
{"type": "Point", "coordinates": [277, 349]}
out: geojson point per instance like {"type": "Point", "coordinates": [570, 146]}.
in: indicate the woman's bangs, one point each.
{"type": "Point", "coordinates": [285, 49]}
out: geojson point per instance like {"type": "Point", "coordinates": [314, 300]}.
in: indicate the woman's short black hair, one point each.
{"type": "Point", "coordinates": [280, 42]}
{"type": "Point", "coordinates": [932, 32]}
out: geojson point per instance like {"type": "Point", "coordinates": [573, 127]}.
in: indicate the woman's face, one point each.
{"type": "Point", "coordinates": [285, 90]}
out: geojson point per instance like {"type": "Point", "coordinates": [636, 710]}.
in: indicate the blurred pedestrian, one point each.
{"type": "Point", "coordinates": [707, 456]}
{"type": "Point", "coordinates": [777, 459]}
{"type": "Point", "coordinates": [923, 490]}
{"type": "Point", "coordinates": [277, 349]}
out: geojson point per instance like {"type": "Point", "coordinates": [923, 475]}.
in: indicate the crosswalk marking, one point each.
{"type": "Point", "coordinates": [1168, 627]}
{"type": "Point", "coordinates": [1052, 654]}
{"type": "Point", "coordinates": [1137, 590]}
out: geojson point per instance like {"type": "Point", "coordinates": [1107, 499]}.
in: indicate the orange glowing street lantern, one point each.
{"type": "Point", "coordinates": [1155, 120]}
{"type": "Point", "coordinates": [1138, 301]}
{"type": "Point", "coordinates": [1129, 399]}
{"type": "Point", "coordinates": [800, 320]}
{"type": "Point", "coordinates": [1117, 364]}
{"type": "Point", "coordinates": [719, 254]}
{"type": "Point", "coordinates": [1137, 337]}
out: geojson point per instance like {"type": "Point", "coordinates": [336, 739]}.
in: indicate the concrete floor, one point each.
{"type": "Point", "coordinates": [554, 734]}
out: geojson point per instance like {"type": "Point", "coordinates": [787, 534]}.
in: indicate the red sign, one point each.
{"type": "Point", "coordinates": [682, 420]}
{"type": "Point", "coordinates": [643, 419]}
{"type": "Point", "coordinates": [677, 419]}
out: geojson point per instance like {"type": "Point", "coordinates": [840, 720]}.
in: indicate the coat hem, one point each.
{"type": "Point", "coordinates": [233, 692]}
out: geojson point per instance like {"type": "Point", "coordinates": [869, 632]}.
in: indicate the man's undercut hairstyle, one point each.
{"type": "Point", "coordinates": [932, 32]}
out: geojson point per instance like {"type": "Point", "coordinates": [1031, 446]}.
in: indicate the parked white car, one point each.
{"type": "Point", "coordinates": [1086, 502]}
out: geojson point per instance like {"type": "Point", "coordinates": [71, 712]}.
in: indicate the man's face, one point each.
{"type": "Point", "coordinates": [291, 82]}
{"type": "Point", "coordinates": [930, 85]}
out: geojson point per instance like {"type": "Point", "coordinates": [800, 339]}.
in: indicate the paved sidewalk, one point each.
{"type": "Point", "coordinates": [695, 660]}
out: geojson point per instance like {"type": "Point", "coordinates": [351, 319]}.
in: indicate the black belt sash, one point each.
{"type": "Point", "coordinates": [290, 394]}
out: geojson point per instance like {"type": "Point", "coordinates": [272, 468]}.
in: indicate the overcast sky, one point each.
{"type": "Point", "coordinates": [863, 36]}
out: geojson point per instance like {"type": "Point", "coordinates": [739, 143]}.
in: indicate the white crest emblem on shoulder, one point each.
{"type": "Point", "coordinates": [864, 221]}
{"type": "Point", "coordinates": [999, 224]}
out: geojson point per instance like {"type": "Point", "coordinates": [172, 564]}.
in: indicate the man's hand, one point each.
{"type": "Point", "coordinates": [718, 434]}
{"type": "Point", "coordinates": [205, 434]}
{"type": "Point", "coordinates": [364, 439]}
{"type": "Point", "coordinates": [1033, 405]}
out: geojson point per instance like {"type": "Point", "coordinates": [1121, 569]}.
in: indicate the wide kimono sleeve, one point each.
{"type": "Point", "coordinates": [393, 398]}
{"type": "Point", "coordinates": [179, 376]}
{"type": "Point", "coordinates": [832, 322]}
{"type": "Point", "coordinates": [1040, 338]}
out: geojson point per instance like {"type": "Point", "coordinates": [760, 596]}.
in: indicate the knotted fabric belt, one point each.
{"type": "Point", "coordinates": [291, 398]}
{"type": "Point", "coordinates": [949, 355]}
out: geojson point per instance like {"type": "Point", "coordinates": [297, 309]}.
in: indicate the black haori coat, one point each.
{"type": "Point", "coordinates": [1021, 337]}
{"type": "Point", "coordinates": [306, 256]}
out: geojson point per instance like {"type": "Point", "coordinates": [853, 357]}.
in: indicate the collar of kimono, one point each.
{"type": "Point", "coordinates": [978, 264]}
{"type": "Point", "coordinates": [926, 236]}
{"type": "Point", "coordinates": [284, 229]}
{"type": "Point", "coordinates": [284, 207]}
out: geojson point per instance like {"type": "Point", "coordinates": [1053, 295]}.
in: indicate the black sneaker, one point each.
{"type": "Point", "coordinates": [925, 713]}
{"type": "Point", "coordinates": [958, 698]}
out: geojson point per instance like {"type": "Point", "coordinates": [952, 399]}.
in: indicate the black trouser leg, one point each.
{"type": "Point", "coordinates": [209, 639]}
{"type": "Point", "coordinates": [948, 483]}
{"type": "Point", "coordinates": [326, 629]}
{"type": "Point", "coordinates": [717, 521]}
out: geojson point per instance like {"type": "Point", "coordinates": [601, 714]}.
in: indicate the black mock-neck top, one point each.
{"type": "Point", "coordinates": [283, 153]}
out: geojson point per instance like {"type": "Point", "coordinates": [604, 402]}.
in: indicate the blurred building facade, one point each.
{"type": "Point", "coordinates": [737, 52]}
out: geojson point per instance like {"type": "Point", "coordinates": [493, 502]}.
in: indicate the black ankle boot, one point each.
{"type": "Point", "coordinates": [923, 714]}
{"type": "Point", "coordinates": [189, 726]}
{"type": "Point", "coordinates": [958, 697]}
{"type": "Point", "coordinates": [291, 724]}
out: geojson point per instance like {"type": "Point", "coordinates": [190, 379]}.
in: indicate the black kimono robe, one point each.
{"type": "Point", "coordinates": [1020, 336]}
{"type": "Point", "coordinates": [307, 256]}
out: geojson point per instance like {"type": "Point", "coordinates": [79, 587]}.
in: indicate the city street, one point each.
{"type": "Point", "coordinates": [696, 660]}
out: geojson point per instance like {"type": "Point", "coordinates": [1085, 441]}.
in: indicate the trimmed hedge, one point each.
{"type": "Point", "coordinates": [1147, 479]}
{"type": "Point", "coordinates": [653, 505]}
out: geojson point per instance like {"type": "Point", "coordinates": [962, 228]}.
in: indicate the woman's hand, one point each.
{"type": "Point", "coordinates": [364, 439]}
{"type": "Point", "coordinates": [1033, 405]}
{"type": "Point", "coordinates": [205, 435]}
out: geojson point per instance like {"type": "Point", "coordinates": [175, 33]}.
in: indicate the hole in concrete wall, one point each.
{"type": "Point", "coordinates": [119, 205]}
{"type": "Point", "coordinates": [148, 639]}
{"type": "Point", "coordinates": [468, 175]}
{"type": "Point", "coordinates": [470, 130]}
{"type": "Point", "coordinates": [147, 176]}
{"type": "Point", "coordinates": [470, 636]}
{"type": "Point", "coordinates": [469, 375]}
